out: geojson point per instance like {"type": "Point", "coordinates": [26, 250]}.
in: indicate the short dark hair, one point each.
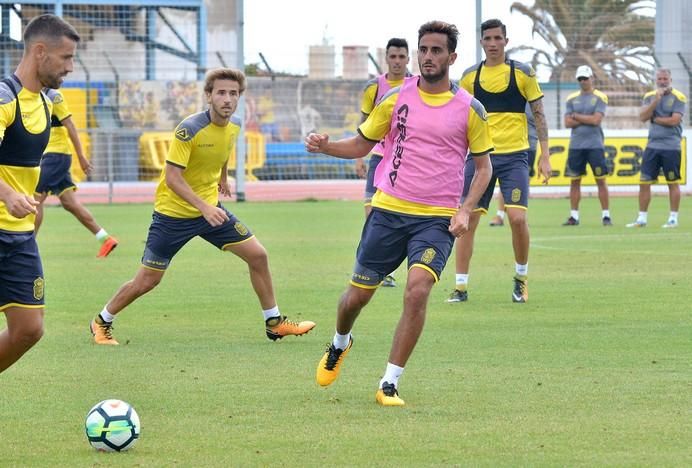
{"type": "Point", "coordinates": [397, 42]}
{"type": "Point", "coordinates": [223, 74]}
{"type": "Point", "coordinates": [50, 27]}
{"type": "Point", "coordinates": [441, 27]}
{"type": "Point", "coordinates": [493, 23]}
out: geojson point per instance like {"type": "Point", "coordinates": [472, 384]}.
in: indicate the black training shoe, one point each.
{"type": "Point", "coordinates": [571, 221]}
{"type": "Point", "coordinates": [458, 296]}
{"type": "Point", "coordinates": [521, 290]}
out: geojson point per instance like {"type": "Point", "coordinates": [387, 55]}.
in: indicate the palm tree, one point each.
{"type": "Point", "coordinates": [614, 37]}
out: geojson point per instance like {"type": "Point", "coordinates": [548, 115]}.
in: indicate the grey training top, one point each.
{"type": "Point", "coordinates": [661, 136]}
{"type": "Point", "coordinates": [586, 136]}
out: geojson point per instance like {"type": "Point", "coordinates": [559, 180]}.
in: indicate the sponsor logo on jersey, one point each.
{"type": "Point", "coordinates": [182, 134]}
{"type": "Point", "coordinates": [401, 115]}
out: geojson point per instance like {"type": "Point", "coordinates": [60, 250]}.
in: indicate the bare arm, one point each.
{"type": "Point", "coordinates": [647, 111]}
{"type": "Point", "coordinates": [588, 119]}
{"type": "Point", "coordinates": [570, 122]}
{"type": "Point", "coordinates": [544, 167]}
{"type": "Point", "coordinates": [76, 142]}
{"type": "Point", "coordinates": [672, 121]}
{"type": "Point", "coordinates": [459, 223]}
{"type": "Point", "coordinates": [361, 170]}
{"type": "Point", "coordinates": [224, 188]}
{"type": "Point", "coordinates": [347, 148]}
{"type": "Point", "coordinates": [174, 179]}
{"type": "Point", "coordinates": [481, 178]}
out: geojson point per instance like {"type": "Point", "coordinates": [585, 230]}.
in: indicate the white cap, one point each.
{"type": "Point", "coordinates": [584, 71]}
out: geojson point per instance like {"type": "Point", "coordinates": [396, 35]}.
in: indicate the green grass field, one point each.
{"type": "Point", "coordinates": [595, 370]}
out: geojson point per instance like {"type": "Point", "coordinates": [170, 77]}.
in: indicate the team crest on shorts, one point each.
{"type": "Point", "coordinates": [240, 228]}
{"type": "Point", "coordinates": [516, 195]}
{"type": "Point", "coordinates": [671, 175]}
{"type": "Point", "coordinates": [598, 171]}
{"type": "Point", "coordinates": [39, 284]}
{"type": "Point", "coordinates": [428, 256]}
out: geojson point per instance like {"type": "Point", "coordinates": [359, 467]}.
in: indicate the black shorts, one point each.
{"type": "Point", "coordinates": [55, 175]}
{"type": "Point", "coordinates": [512, 170]}
{"type": "Point", "coordinates": [656, 159]}
{"type": "Point", "coordinates": [388, 238]}
{"type": "Point", "coordinates": [167, 235]}
{"type": "Point", "coordinates": [578, 158]}
{"type": "Point", "coordinates": [21, 271]}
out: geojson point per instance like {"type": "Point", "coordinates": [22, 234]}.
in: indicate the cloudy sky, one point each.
{"type": "Point", "coordinates": [283, 31]}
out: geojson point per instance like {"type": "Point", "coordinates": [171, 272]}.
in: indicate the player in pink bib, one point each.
{"type": "Point", "coordinates": [430, 126]}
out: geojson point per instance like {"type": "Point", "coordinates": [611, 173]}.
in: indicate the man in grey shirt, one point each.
{"type": "Point", "coordinates": [584, 113]}
{"type": "Point", "coordinates": [663, 108]}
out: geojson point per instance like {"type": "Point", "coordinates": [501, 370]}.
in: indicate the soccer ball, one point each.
{"type": "Point", "coordinates": [112, 426]}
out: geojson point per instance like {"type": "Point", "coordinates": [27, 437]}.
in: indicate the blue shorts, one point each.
{"type": "Point", "coordinates": [577, 159]}
{"type": "Point", "coordinates": [388, 238]}
{"type": "Point", "coordinates": [21, 272]}
{"type": "Point", "coordinates": [370, 188]}
{"type": "Point", "coordinates": [513, 172]}
{"type": "Point", "coordinates": [55, 174]}
{"type": "Point", "coordinates": [167, 235]}
{"type": "Point", "coordinates": [656, 159]}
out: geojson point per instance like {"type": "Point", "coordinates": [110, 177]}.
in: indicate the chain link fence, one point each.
{"type": "Point", "coordinates": [140, 68]}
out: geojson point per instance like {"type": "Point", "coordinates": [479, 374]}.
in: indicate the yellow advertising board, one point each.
{"type": "Point", "coordinates": [623, 157]}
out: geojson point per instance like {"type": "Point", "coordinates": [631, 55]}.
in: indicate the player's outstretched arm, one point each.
{"type": "Point", "coordinates": [347, 148]}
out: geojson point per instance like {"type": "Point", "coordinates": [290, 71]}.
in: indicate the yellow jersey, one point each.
{"type": "Point", "coordinates": [370, 93]}
{"type": "Point", "coordinates": [200, 148]}
{"type": "Point", "coordinates": [24, 134]}
{"type": "Point", "coordinates": [59, 142]}
{"type": "Point", "coordinates": [497, 88]}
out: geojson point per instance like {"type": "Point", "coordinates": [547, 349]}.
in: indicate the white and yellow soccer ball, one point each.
{"type": "Point", "coordinates": [112, 426]}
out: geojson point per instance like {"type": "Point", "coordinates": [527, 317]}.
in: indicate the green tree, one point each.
{"type": "Point", "coordinates": [614, 37]}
